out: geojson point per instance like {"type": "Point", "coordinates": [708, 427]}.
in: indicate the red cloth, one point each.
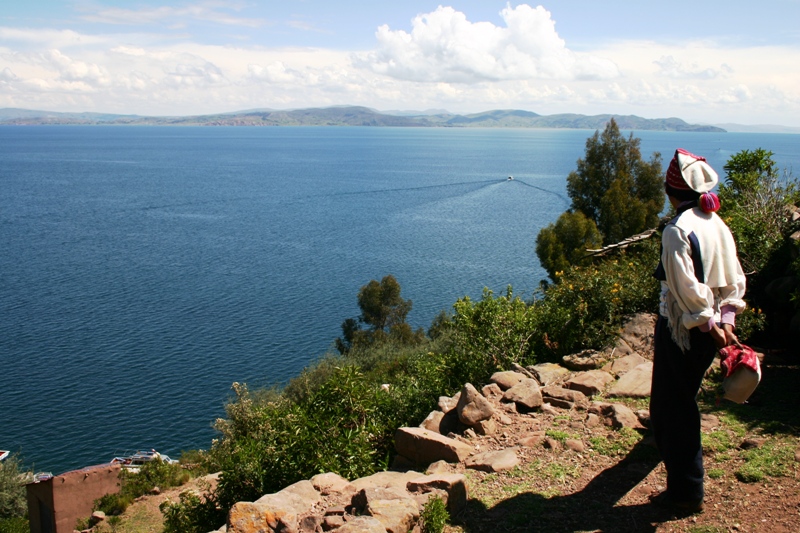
{"type": "Point", "coordinates": [731, 357]}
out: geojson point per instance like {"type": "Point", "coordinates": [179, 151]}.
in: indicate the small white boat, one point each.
{"type": "Point", "coordinates": [4, 454]}
{"type": "Point", "coordinates": [135, 460]}
{"type": "Point", "coordinates": [510, 178]}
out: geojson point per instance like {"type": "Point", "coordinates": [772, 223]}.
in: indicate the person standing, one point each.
{"type": "Point", "coordinates": [702, 290]}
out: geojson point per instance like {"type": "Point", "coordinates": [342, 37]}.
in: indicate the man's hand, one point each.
{"type": "Point", "coordinates": [720, 337]}
{"type": "Point", "coordinates": [730, 336]}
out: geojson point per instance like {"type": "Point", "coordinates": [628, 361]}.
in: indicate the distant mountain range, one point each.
{"type": "Point", "coordinates": [363, 116]}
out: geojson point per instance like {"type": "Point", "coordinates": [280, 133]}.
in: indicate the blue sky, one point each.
{"type": "Point", "coordinates": [704, 61]}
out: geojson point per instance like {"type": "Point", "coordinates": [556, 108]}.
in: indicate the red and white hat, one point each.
{"type": "Point", "coordinates": [688, 171]}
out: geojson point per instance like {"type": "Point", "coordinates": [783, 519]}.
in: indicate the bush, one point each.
{"type": "Point", "coordinates": [492, 334]}
{"type": "Point", "coordinates": [587, 305]}
{"type": "Point", "coordinates": [434, 516]}
{"type": "Point", "coordinates": [192, 513]}
{"type": "Point", "coordinates": [13, 500]}
{"type": "Point", "coordinates": [14, 525]}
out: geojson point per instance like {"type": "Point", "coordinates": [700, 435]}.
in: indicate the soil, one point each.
{"type": "Point", "coordinates": [559, 489]}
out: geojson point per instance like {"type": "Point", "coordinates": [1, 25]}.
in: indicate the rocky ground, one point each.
{"type": "Point", "coordinates": [580, 464]}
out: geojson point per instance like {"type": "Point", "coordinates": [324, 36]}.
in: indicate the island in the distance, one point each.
{"type": "Point", "coordinates": [358, 116]}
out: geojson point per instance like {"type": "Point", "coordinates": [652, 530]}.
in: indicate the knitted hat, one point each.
{"type": "Point", "coordinates": [688, 171]}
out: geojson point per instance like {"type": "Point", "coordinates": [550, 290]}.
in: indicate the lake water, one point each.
{"type": "Point", "coordinates": [145, 269]}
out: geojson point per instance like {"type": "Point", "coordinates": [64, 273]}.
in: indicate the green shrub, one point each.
{"type": "Point", "coordinates": [192, 513]}
{"type": "Point", "coordinates": [13, 499]}
{"type": "Point", "coordinates": [14, 525]}
{"type": "Point", "coordinates": [587, 305]}
{"type": "Point", "coordinates": [493, 333]}
{"type": "Point", "coordinates": [434, 516]}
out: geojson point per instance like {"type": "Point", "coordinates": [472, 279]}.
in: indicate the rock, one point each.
{"type": "Point", "coordinates": [402, 464]}
{"type": "Point", "coordinates": [472, 406]}
{"type": "Point", "coordinates": [506, 380]}
{"type": "Point", "coordinates": [331, 522]}
{"type": "Point", "coordinates": [503, 418]}
{"type": "Point", "coordinates": [439, 467]}
{"type": "Point", "coordinates": [623, 416]}
{"type": "Point", "coordinates": [311, 524]}
{"type": "Point", "coordinates": [621, 349]}
{"type": "Point", "coordinates": [549, 409]}
{"type": "Point", "coordinates": [585, 360]}
{"type": "Point", "coordinates": [561, 404]}
{"type": "Point", "coordinates": [644, 417]}
{"type": "Point", "coordinates": [363, 497]}
{"type": "Point", "coordinates": [526, 394]}
{"type": "Point", "coordinates": [590, 383]}
{"type": "Point", "coordinates": [752, 442]}
{"type": "Point", "coordinates": [395, 480]}
{"type": "Point", "coordinates": [516, 367]}
{"type": "Point", "coordinates": [549, 373]}
{"type": "Point", "coordinates": [492, 392]}
{"type": "Point", "coordinates": [273, 511]}
{"type": "Point", "coordinates": [551, 443]}
{"type": "Point", "coordinates": [496, 461]}
{"type": "Point", "coordinates": [455, 485]}
{"type": "Point", "coordinates": [97, 516]}
{"type": "Point", "coordinates": [627, 363]}
{"type": "Point", "coordinates": [362, 524]}
{"type": "Point", "coordinates": [396, 516]}
{"type": "Point", "coordinates": [433, 421]}
{"type": "Point", "coordinates": [593, 421]}
{"type": "Point", "coordinates": [560, 393]}
{"type": "Point", "coordinates": [708, 422]}
{"type": "Point", "coordinates": [486, 427]}
{"type": "Point", "coordinates": [331, 483]}
{"type": "Point", "coordinates": [532, 439]}
{"type": "Point", "coordinates": [425, 447]}
{"type": "Point", "coordinates": [638, 333]}
{"type": "Point", "coordinates": [575, 445]}
{"type": "Point", "coordinates": [635, 383]}
{"type": "Point", "coordinates": [447, 404]}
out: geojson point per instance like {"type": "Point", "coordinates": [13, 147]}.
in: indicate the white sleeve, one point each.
{"type": "Point", "coordinates": [695, 299]}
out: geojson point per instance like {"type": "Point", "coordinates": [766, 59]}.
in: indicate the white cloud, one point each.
{"type": "Point", "coordinates": [671, 68]}
{"type": "Point", "coordinates": [173, 16]}
{"type": "Point", "coordinates": [444, 46]}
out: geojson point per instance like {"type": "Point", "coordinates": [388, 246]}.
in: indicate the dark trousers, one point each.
{"type": "Point", "coordinates": [674, 414]}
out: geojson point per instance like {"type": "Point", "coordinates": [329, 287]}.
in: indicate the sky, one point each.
{"type": "Point", "coordinates": [708, 61]}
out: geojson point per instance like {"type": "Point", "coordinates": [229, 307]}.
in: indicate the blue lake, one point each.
{"type": "Point", "coordinates": [145, 269]}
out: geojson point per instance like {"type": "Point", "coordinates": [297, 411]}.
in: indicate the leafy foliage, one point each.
{"type": "Point", "coordinates": [615, 194]}
{"type": "Point", "coordinates": [615, 187]}
{"type": "Point", "coordinates": [564, 243]}
{"type": "Point", "coordinates": [13, 502]}
{"type": "Point", "coordinates": [384, 311]}
{"type": "Point", "coordinates": [753, 199]}
{"type": "Point", "coordinates": [434, 516]}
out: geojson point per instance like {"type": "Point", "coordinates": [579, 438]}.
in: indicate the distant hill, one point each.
{"type": "Point", "coordinates": [359, 116]}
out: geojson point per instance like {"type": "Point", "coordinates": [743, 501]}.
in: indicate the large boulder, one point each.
{"type": "Point", "coordinates": [424, 447]}
{"type": "Point", "coordinates": [274, 512]}
{"type": "Point", "coordinates": [473, 406]}
{"type": "Point", "coordinates": [590, 383]}
{"type": "Point", "coordinates": [526, 394]}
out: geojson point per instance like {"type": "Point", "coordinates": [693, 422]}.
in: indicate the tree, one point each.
{"type": "Point", "coordinates": [753, 198]}
{"type": "Point", "coordinates": [615, 187]}
{"type": "Point", "coordinates": [13, 502]}
{"type": "Point", "coordinates": [565, 242]}
{"type": "Point", "coordinates": [384, 311]}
